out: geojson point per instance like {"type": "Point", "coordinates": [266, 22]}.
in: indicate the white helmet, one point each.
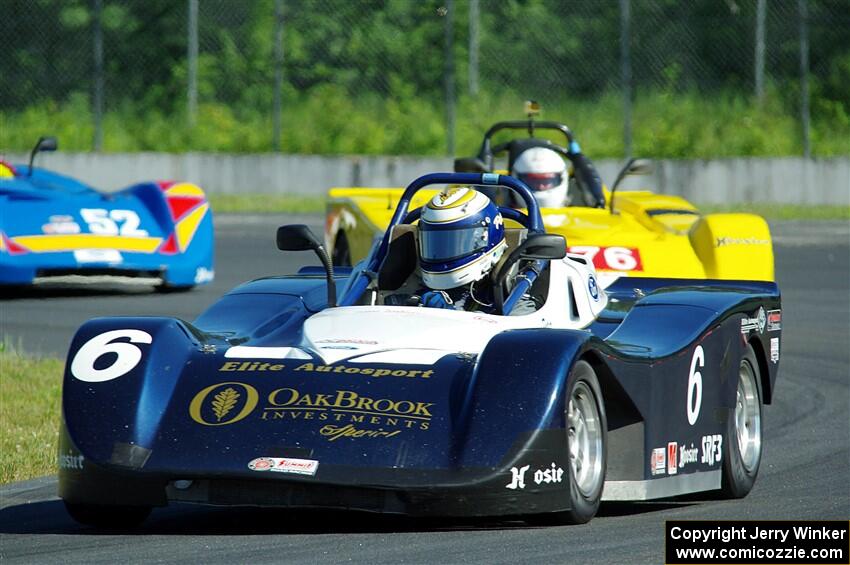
{"type": "Point", "coordinates": [545, 173]}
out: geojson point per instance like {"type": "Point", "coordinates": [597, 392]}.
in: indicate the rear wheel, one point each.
{"type": "Point", "coordinates": [742, 447]}
{"type": "Point", "coordinates": [103, 516]}
{"type": "Point", "coordinates": [341, 256]}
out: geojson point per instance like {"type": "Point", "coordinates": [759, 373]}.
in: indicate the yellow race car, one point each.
{"type": "Point", "coordinates": [627, 233]}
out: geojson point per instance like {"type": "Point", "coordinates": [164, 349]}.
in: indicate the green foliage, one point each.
{"type": "Point", "coordinates": [30, 390]}
{"type": "Point", "coordinates": [326, 120]}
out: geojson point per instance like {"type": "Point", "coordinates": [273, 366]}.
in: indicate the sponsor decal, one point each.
{"type": "Point", "coordinates": [723, 241]}
{"type": "Point", "coordinates": [250, 366]}
{"type": "Point", "coordinates": [333, 432]}
{"type": "Point", "coordinates": [658, 461]}
{"type": "Point", "coordinates": [547, 475]}
{"type": "Point", "coordinates": [257, 366]}
{"type": "Point", "coordinates": [261, 464]}
{"type": "Point", "coordinates": [712, 449]}
{"type": "Point", "coordinates": [285, 465]}
{"type": "Point", "coordinates": [71, 461]}
{"type": "Point", "coordinates": [774, 320]}
{"type": "Point", "coordinates": [592, 287]}
{"type": "Point", "coordinates": [61, 225]}
{"type": "Point", "coordinates": [204, 275]}
{"type": "Point", "coordinates": [340, 414]}
{"type": "Point", "coordinates": [774, 349]}
{"type": "Point", "coordinates": [687, 455]}
{"type": "Point", "coordinates": [98, 256]}
{"type": "Point", "coordinates": [757, 322]}
{"type": "Point", "coordinates": [368, 371]}
{"type": "Point", "coordinates": [609, 258]}
{"type": "Point", "coordinates": [672, 450]}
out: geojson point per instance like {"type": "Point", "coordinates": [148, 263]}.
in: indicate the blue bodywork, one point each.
{"type": "Point", "coordinates": [48, 204]}
{"type": "Point", "coordinates": [184, 410]}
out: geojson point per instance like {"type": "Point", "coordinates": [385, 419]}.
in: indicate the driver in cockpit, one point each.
{"type": "Point", "coordinates": [461, 239]}
{"type": "Point", "coordinates": [546, 174]}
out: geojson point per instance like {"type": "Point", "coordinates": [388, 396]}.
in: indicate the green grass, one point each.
{"type": "Point", "coordinates": [271, 203]}
{"type": "Point", "coordinates": [784, 211]}
{"type": "Point", "coordinates": [259, 203]}
{"type": "Point", "coordinates": [30, 391]}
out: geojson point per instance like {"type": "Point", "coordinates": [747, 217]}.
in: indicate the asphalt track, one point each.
{"type": "Point", "coordinates": [805, 471]}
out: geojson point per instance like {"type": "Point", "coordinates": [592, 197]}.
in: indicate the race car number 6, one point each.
{"type": "Point", "coordinates": [128, 355]}
{"type": "Point", "coordinates": [695, 385]}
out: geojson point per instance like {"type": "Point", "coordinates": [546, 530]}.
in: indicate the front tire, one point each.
{"type": "Point", "coordinates": [742, 448]}
{"type": "Point", "coordinates": [587, 443]}
{"type": "Point", "coordinates": [341, 256]}
{"type": "Point", "coordinates": [111, 517]}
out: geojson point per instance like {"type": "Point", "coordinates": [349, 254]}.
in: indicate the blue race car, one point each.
{"type": "Point", "coordinates": [312, 390]}
{"type": "Point", "coordinates": [52, 225]}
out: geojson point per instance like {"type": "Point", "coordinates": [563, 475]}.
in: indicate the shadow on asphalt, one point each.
{"type": "Point", "coordinates": [50, 517]}
{"type": "Point", "coordinates": [48, 290]}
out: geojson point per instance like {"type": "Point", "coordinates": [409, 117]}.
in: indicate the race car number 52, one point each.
{"type": "Point", "coordinates": [113, 222]}
{"type": "Point", "coordinates": [127, 355]}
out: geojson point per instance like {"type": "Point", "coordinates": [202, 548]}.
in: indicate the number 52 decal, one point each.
{"type": "Point", "coordinates": [113, 222]}
{"type": "Point", "coordinates": [128, 355]}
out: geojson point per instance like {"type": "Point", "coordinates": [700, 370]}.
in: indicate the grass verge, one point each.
{"type": "Point", "coordinates": [289, 204]}
{"type": "Point", "coordinates": [271, 203]}
{"type": "Point", "coordinates": [30, 391]}
{"type": "Point", "coordinates": [783, 211]}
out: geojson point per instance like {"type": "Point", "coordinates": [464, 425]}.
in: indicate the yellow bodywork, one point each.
{"type": "Point", "coordinates": [649, 235]}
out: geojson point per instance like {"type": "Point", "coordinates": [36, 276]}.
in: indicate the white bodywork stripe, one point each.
{"type": "Point", "coordinates": [247, 352]}
{"type": "Point", "coordinates": [404, 357]}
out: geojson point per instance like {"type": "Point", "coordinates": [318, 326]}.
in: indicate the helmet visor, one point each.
{"type": "Point", "coordinates": [448, 244]}
{"type": "Point", "coordinates": [540, 182]}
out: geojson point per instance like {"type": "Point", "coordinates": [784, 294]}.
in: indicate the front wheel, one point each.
{"type": "Point", "coordinates": [743, 446]}
{"type": "Point", "coordinates": [587, 448]}
{"type": "Point", "coordinates": [587, 443]}
{"type": "Point", "coordinates": [341, 256]}
{"type": "Point", "coordinates": [104, 516]}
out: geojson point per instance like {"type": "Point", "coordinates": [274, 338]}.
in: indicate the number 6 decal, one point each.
{"type": "Point", "coordinates": [82, 367]}
{"type": "Point", "coordinates": [695, 385]}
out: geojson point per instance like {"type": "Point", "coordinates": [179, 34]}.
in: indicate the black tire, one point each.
{"type": "Point", "coordinates": [341, 256]}
{"type": "Point", "coordinates": [111, 517]}
{"type": "Point", "coordinates": [741, 467]}
{"type": "Point", "coordinates": [585, 491]}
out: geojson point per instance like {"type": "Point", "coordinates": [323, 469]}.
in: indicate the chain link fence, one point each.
{"type": "Point", "coordinates": [662, 77]}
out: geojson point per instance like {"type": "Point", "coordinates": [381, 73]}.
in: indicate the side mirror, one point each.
{"type": "Point", "coordinates": [632, 168]}
{"type": "Point", "coordinates": [639, 167]}
{"type": "Point", "coordinates": [44, 143]}
{"type": "Point", "coordinates": [47, 144]}
{"type": "Point", "coordinates": [544, 246]}
{"type": "Point", "coordinates": [470, 165]}
{"type": "Point", "coordinates": [298, 237]}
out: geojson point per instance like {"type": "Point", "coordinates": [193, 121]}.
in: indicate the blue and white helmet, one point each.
{"type": "Point", "coordinates": [461, 237]}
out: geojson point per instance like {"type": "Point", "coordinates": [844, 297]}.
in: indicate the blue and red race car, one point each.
{"type": "Point", "coordinates": [52, 225]}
